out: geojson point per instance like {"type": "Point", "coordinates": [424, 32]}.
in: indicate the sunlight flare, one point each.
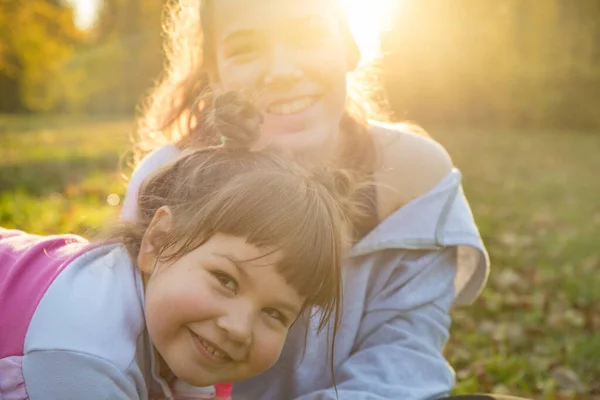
{"type": "Point", "coordinates": [367, 20]}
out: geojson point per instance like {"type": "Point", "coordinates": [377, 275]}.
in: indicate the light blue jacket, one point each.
{"type": "Point", "coordinates": [400, 283]}
{"type": "Point", "coordinates": [399, 286]}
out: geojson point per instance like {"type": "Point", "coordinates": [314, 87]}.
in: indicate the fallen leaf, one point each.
{"type": "Point", "coordinates": [567, 379]}
{"type": "Point", "coordinates": [509, 279]}
{"type": "Point", "coordinates": [574, 318]}
{"type": "Point", "coordinates": [488, 327]}
{"type": "Point", "coordinates": [513, 240]}
{"type": "Point", "coordinates": [515, 333]}
{"type": "Point", "coordinates": [463, 374]}
{"type": "Point", "coordinates": [501, 390]}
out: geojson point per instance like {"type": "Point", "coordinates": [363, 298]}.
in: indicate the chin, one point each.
{"type": "Point", "coordinates": [310, 143]}
{"type": "Point", "coordinates": [201, 379]}
{"type": "Point", "coordinates": [193, 374]}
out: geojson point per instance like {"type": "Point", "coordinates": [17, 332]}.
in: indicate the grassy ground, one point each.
{"type": "Point", "coordinates": [535, 331]}
{"type": "Point", "coordinates": [56, 173]}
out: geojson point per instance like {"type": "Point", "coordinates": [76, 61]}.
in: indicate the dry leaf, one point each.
{"type": "Point", "coordinates": [508, 279]}
{"type": "Point", "coordinates": [487, 327]}
{"type": "Point", "coordinates": [567, 379]}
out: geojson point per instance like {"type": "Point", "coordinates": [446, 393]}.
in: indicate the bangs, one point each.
{"type": "Point", "coordinates": [274, 211]}
{"type": "Point", "coordinates": [271, 203]}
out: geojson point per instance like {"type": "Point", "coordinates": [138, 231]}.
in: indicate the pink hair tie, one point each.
{"type": "Point", "coordinates": [224, 389]}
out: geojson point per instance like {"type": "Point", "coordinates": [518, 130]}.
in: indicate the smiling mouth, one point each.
{"type": "Point", "coordinates": [292, 106]}
{"type": "Point", "coordinates": [210, 350]}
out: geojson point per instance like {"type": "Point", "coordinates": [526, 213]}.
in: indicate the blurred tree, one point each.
{"type": "Point", "coordinates": [123, 57]}
{"type": "Point", "coordinates": [495, 62]}
{"type": "Point", "coordinates": [10, 100]}
{"type": "Point", "coordinates": [36, 37]}
{"type": "Point", "coordinates": [47, 64]}
{"type": "Point", "coordinates": [509, 63]}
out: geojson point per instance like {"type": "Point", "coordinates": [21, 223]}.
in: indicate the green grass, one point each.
{"type": "Point", "coordinates": [534, 332]}
{"type": "Point", "coordinates": [535, 198]}
{"type": "Point", "coordinates": [56, 173]}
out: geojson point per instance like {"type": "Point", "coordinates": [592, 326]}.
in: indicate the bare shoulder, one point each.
{"type": "Point", "coordinates": [411, 164]}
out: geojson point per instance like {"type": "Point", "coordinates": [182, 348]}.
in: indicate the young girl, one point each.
{"type": "Point", "coordinates": [201, 287]}
{"type": "Point", "coordinates": [419, 252]}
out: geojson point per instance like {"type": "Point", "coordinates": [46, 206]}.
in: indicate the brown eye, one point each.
{"type": "Point", "coordinates": [243, 49]}
{"type": "Point", "coordinates": [275, 314]}
{"type": "Point", "coordinates": [226, 281]}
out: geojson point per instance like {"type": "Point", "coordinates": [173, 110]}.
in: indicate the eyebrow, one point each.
{"type": "Point", "coordinates": [240, 34]}
{"type": "Point", "coordinates": [245, 33]}
{"type": "Point", "coordinates": [236, 263]}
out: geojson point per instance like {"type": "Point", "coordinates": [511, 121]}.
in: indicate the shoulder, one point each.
{"type": "Point", "coordinates": [93, 307]}
{"type": "Point", "coordinates": [156, 159]}
{"type": "Point", "coordinates": [150, 163]}
{"type": "Point", "coordinates": [411, 163]}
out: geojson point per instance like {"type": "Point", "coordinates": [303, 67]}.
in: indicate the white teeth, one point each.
{"type": "Point", "coordinates": [292, 107]}
{"type": "Point", "coordinates": [213, 351]}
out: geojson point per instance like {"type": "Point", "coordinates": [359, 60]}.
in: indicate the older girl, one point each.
{"type": "Point", "coordinates": [416, 253]}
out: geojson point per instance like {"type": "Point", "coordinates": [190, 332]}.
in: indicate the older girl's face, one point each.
{"type": "Point", "coordinates": [293, 57]}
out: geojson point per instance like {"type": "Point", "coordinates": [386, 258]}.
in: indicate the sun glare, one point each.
{"type": "Point", "coordinates": [86, 12]}
{"type": "Point", "coordinates": [367, 20]}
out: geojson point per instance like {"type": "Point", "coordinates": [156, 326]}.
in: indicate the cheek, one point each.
{"type": "Point", "coordinates": [239, 77]}
{"type": "Point", "coordinates": [173, 302]}
{"type": "Point", "coordinates": [333, 78]}
{"type": "Point", "coordinates": [327, 65]}
{"type": "Point", "coordinates": [336, 98]}
{"type": "Point", "coordinates": [267, 349]}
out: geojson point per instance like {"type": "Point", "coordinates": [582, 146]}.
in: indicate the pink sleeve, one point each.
{"type": "Point", "coordinates": [28, 265]}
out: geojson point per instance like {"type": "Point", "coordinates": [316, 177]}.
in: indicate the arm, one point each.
{"type": "Point", "coordinates": [404, 329]}
{"type": "Point", "coordinates": [149, 164]}
{"type": "Point", "coordinates": [59, 375]}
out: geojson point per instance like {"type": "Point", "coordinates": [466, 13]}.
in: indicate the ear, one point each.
{"type": "Point", "coordinates": [153, 239]}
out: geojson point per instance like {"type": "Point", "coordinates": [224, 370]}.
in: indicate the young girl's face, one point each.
{"type": "Point", "coordinates": [293, 56]}
{"type": "Point", "coordinates": [214, 318]}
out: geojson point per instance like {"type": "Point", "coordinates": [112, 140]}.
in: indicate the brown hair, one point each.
{"type": "Point", "coordinates": [260, 195]}
{"type": "Point", "coordinates": [172, 112]}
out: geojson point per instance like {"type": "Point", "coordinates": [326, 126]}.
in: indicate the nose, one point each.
{"type": "Point", "coordinates": [284, 68]}
{"type": "Point", "coordinates": [237, 322]}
